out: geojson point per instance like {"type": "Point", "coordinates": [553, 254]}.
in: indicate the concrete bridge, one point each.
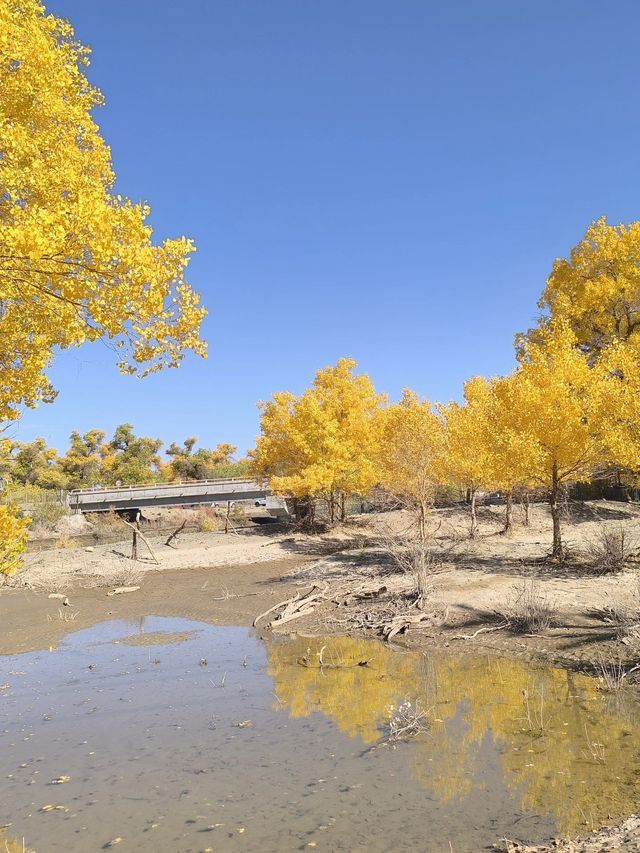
{"type": "Point", "coordinates": [174, 494]}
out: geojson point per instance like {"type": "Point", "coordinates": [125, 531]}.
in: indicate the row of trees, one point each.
{"type": "Point", "coordinates": [569, 409]}
{"type": "Point", "coordinates": [124, 459]}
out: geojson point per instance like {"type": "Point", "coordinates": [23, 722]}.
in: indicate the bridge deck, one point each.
{"type": "Point", "coordinates": [166, 494]}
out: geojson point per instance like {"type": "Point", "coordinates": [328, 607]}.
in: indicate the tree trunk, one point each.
{"type": "Point", "coordinates": [474, 517]}
{"type": "Point", "coordinates": [332, 507]}
{"type": "Point", "coordinates": [134, 545]}
{"type": "Point", "coordinates": [508, 512]}
{"type": "Point", "coordinates": [343, 507]}
{"type": "Point", "coordinates": [422, 521]}
{"type": "Point", "coordinates": [525, 504]}
{"type": "Point", "coordinates": [557, 552]}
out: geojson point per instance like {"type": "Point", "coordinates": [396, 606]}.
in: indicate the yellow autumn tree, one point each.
{"type": "Point", "coordinates": [410, 453]}
{"type": "Point", "coordinates": [322, 443]}
{"type": "Point", "coordinates": [77, 263]}
{"type": "Point", "coordinates": [557, 400]}
{"type": "Point", "coordinates": [467, 443]}
{"type": "Point", "coordinates": [509, 451]}
{"type": "Point", "coordinates": [597, 289]}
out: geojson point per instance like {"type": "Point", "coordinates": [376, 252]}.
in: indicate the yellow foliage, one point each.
{"type": "Point", "coordinates": [468, 438]}
{"type": "Point", "coordinates": [77, 262]}
{"type": "Point", "coordinates": [555, 397]}
{"type": "Point", "coordinates": [410, 452]}
{"type": "Point", "coordinates": [321, 443]}
{"type": "Point", "coordinates": [13, 538]}
{"type": "Point", "coordinates": [597, 290]}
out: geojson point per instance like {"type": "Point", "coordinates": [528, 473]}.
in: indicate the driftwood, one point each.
{"type": "Point", "coordinates": [401, 623]}
{"type": "Point", "coordinates": [119, 590]}
{"type": "Point", "coordinates": [484, 630]}
{"type": "Point", "coordinates": [295, 607]}
{"type": "Point", "coordinates": [175, 534]}
{"type": "Point", "coordinates": [60, 597]}
{"type": "Point", "coordinates": [137, 532]}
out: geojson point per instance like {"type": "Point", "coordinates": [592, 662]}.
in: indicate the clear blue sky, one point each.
{"type": "Point", "coordinates": [381, 179]}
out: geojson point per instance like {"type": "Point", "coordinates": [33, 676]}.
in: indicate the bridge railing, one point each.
{"type": "Point", "coordinates": [220, 481]}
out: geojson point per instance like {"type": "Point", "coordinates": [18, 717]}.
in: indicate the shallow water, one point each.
{"type": "Point", "coordinates": [180, 736]}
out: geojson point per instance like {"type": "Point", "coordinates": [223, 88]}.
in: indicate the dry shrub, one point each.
{"type": "Point", "coordinates": [39, 531]}
{"type": "Point", "coordinates": [529, 611]}
{"type": "Point", "coordinates": [625, 619]}
{"type": "Point", "coordinates": [66, 542]}
{"type": "Point", "coordinates": [207, 520]}
{"type": "Point", "coordinates": [406, 720]}
{"type": "Point", "coordinates": [610, 549]}
{"type": "Point", "coordinates": [126, 573]}
{"type": "Point", "coordinates": [46, 514]}
{"type": "Point", "coordinates": [613, 674]}
{"type": "Point", "coordinates": [106, 522]}
{"type": "Point", "coordinates": [412, 556]}
{"type": "Point", "coordinates": [238, 514]}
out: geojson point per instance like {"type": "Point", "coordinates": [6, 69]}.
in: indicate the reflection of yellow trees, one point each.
{"type": "Point", "coordinates": [567, 752]}
{"type": "Point", "coordinates": [12, 845]}
{"type": "Point", "coordinates": [355, 697]}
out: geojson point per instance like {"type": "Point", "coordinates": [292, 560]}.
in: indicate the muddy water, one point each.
{"type": "Point", "coordinates": [170, 735]}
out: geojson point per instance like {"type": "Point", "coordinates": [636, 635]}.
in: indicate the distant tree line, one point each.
{"type": "Point", "coordinates": [124, 459]}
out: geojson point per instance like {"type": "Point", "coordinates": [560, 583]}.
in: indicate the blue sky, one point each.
{"type": "Point", "coordinates": [381, 179]}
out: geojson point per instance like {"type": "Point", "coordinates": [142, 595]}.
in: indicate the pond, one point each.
{"type": "Point", "coordinates": [164, 734]}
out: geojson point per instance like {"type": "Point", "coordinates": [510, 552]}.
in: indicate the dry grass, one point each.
{"type": "Point", "coordinates": [612, 675]}
{"type": "Point", "coordinates": [610, 549]}
{"type": "Point", "coordinates": [406, 720]}
{"type": "Point", "coordinates": [207, 521]}
{"type": "Point", "coordinates": [40, 530]}
{"type": "Point", "coordinates": [66, 542]}
{"type": "Point", "coordinates": [529, 611]}
{"type": "Point", "coordinates": [125, 573]}
{"type": "Point", "coordinates": [106, 522]}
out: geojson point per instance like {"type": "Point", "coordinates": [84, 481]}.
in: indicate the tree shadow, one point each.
{"type": "Point", "coordinates": [579, 512]}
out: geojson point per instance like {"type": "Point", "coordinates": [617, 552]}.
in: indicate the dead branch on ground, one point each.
{"type": "Point", "coordinates": [295, 607]}
{"type": "Point", "coordinates": [175, 534]}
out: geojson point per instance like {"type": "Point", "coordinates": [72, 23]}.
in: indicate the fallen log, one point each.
{"type": "Point", "coordinates": [120, 590]}
{"type": "Point", "coordinates": [401, 623]}
{"type": "Point", "coordinates": [60, 597]}
{"type": "Point", "coordinates": [294, 608]}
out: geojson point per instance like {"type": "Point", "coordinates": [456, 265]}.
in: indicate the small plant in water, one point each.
{"type": "Point", "coordinates": [534, 709]}
{"type": "Point", "coordinates": [594, 750]}
{"type": "Point", "coordinates": [406, 720]}
{"type": "Point", "coordinates": [613, 674]}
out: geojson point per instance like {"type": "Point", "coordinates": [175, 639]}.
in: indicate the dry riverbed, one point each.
{"type": "Point", "coordinates": [230, 579]}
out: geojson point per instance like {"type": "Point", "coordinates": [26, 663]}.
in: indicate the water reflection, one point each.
{"type": "Point", "coordinates": [13, 845]}
{"type": "Point", "coordinates": [566, 750]}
